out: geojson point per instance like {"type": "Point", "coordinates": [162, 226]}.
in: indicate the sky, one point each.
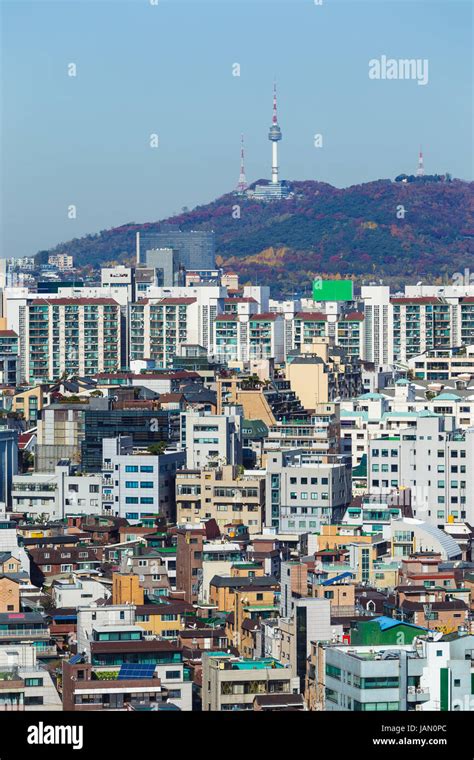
{"type": "Point", "coordinates": [167, 68]}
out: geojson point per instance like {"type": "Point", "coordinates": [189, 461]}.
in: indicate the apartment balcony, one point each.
{"type": "Point", "coordinates": [22, 633]}
{"type": "Point", "coordinates": [418, 694]}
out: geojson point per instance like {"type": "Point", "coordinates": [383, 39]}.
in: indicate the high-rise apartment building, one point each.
{"type": "Point", "coordinates": [69, 336]}
{"type": "Point", "coordinates": [158, 328]}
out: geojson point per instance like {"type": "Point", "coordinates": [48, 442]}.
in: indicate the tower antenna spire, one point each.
{"type": "Point", "coordinates": [420, 172]}
{"type": "Point", "coordinates": [242, 183]}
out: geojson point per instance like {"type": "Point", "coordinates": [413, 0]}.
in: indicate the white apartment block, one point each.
{"type": "Point", "coordinates": [160, 327]}
{"type": "Point", "coordinates": [373, 414]}
{"type": "Point", "coordinates": [138, 484]}
{"type": "Point", "coordinates": [211, 440]}
{"type": "Point", "coordinates": [57, 494]}
{"type": "Point", "coordinates": [304, 490]}
{"type": "Point", "coordinates": [435, 460]}
{"type": "Point", "coordinates": [79, 590]}
{"type": "Point", "coordinates": [209, 303]}
{"type": "Point", "coordinates": [377, 343]}
{"type": "Point", "coordinates": [244, 336]}
{"type": "Point", "coordinates": [79, 336]}
{"type": "Point", "coordinates": [37, 692]}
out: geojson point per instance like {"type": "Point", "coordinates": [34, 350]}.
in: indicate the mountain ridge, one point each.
{"type": "Point", "coordinates": [382, 228]}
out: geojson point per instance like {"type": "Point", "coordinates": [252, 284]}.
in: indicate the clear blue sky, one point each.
{"type": "Point", "coordinates": [167, 69]}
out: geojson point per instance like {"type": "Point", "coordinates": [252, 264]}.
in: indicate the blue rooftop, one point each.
{"type": "Point", "coordinates": [386, 623]}
{"type": "Point", "coordinates": [337, 578]}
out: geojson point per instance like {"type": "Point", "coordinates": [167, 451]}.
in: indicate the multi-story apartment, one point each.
{"type": "Point", "coordinates": [435, 460]}
{"type": "Point", "coordinates": [433, 673]}
{"type": "Point", "coordinates": [61, 261]}
{"type": "Point", "coordinates": [241, 337]}
{"type": "Point", "coordinates": [419, 325]}
{"type": "Point", "coordinates": [224, 494]}
{"type": "Point", "coordinates": [57, 494]}
{"type": "Point", "coordinates": [322, 374]}
{"type": "Point", "coordinates": [189, 557]}
{"type": "Point", "coordinates": [61, 430]}
{"type": "Point", "coordinates": [343, 329]}
{"type": "Point", "coordinates": [444, 365]}
{"type": "Point", "coordinates": [232, 683]}
{"type": "Point", "coordinates": [25, 684]}
{"type": "Point", "coordinates": [9, 358]}
{"type": "Point", "coordinates": [319, 433]}
{"type": "Point", "coordinates": [69, 336]}
{"type": "Point", "coordinates": [211, 439]}
{"type": "Point", "coordinates": [145, 426]}
{"type": "Point", "coordinates": [209, 303]}
{"type": "Point", "coordinates": [305, 490]}
{"type": "Point", "coordinates": [160, 327]}
{"type": "Point", "coordinates": [137, 484]}
{"type": "Point", "coordinates": [8, 464]}
{"type": "Point", "coordinates": [424, 319]}
{"type": "Point", "coordinates": [377, 341]}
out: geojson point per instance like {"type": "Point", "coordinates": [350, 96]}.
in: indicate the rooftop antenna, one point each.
{"type": "Point", "coordinates": [242, 184]}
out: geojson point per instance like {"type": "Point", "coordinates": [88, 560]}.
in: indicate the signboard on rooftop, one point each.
{"type": "Point", "coordinates": [333, 290]}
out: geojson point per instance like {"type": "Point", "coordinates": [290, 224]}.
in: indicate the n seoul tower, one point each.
{"type": "Point", "coordinates": [275, 190]}
{"type": "Point", "coordinates": [274, 135]}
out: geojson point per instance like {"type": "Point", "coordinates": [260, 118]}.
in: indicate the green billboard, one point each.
{"type": "Point", "coordinates": [333, 290]}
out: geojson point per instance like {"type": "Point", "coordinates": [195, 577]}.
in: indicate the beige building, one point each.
{"type": "Point", "coordinates": [225, 494]}
{"type": "Point", "coordinates": [61, 261]}
{"type": "Point", "coordinates": [321, 374]}
{"type": "Point", "coordinates": [231, 683]}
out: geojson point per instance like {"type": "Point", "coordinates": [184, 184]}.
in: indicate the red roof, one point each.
{"type": "Point", "coordinates": [74, 301]}
{"type": "Point", "coordinates": [25, 438]}
{"type": "Point", "coordinates": [8, 334]}
{"type": "Point", "coordinates": [311, 316]}
{"type": "Point", "coordinates": [269, 315]}
{"type": "Point", "coordinates": [177, 301]}
{"type": "Point", "coordinates": [353, 316]}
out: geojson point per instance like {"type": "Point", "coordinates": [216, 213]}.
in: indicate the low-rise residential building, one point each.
{"type": "Point", "coordinates": [231, 683]}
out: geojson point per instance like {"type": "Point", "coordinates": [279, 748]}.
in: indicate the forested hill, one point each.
{"type": "Point", "coordinates": [385, 229]}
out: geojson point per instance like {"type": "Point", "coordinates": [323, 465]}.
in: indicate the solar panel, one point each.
{"type": "Point", "coordinates": [75, 659]}
{"type": "Point", "coordinates": [133, 670]}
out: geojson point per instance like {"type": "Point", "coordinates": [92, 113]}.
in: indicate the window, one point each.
{"type": "Point", "coordinates": [147, 484]}
{"type": "Point", "coordinates": [131, 468]}
{"type": "Point", "coordinates": [131, 484]}
{"type": "Point", "coordinates": [33, 681]}
{"type": "Point", "coordinates": [146, 468]}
